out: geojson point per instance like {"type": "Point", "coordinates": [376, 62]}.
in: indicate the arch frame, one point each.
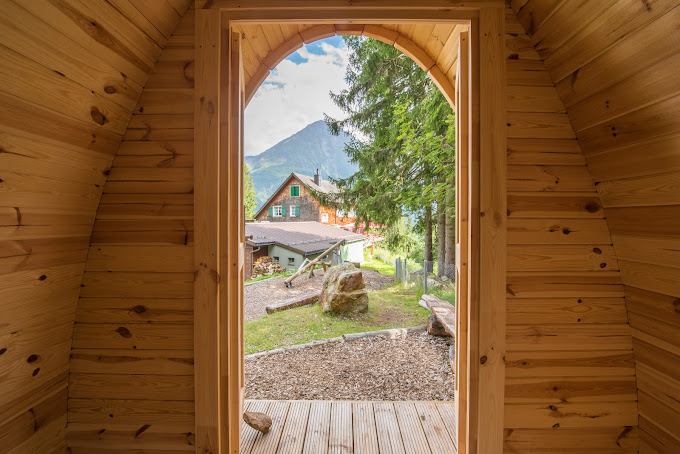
{"type": "Point", "coordinates": [219, 100]}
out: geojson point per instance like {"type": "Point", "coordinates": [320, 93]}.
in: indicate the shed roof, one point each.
{"type": "Point", "coordinates": [304, 237]}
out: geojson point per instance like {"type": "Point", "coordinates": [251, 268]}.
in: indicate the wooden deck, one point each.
{"type": "Point", "coordinates": [339, 427]}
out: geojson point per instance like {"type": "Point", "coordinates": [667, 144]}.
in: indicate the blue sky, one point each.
{"type": "Point", "coordinates": [296, 93]}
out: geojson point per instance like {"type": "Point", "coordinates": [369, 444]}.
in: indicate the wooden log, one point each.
{"type": "Point", "coordinates": [312, 263]}
{"type": "Point", "coordinates": [293, 302]}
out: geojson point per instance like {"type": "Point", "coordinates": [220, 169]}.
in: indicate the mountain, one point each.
{"type": "Point", "coordinates": [305, 151]}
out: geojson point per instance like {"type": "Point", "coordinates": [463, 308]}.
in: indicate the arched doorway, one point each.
{"type": "Point", "coordinates": [222, 92]}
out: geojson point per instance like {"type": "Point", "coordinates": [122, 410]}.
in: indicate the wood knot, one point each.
{"type": "Point", "coordinates": [552, 407]}
{"type": "Point", "coordinates": [35, 372]}
{"type": "Point", "coordinates": [597, 250]}
{"type": "Point", "coordinates": [603, 265]}
{"type": "Point", "coordinates": [42, 277]}
{"type": "Point", "coordinates": [110, 89]}
{"type": "Point", "coordinates": [566, 231]}
{"type": "Point", "coordinates": [556, 426]}
{"type": "Point", "coordinates": [676, 305]}
{"type": "Point", "coordinates": [592, 207]}
{"type": "Point", "coordinates": [482, 360]}
{"type": "Point", "coordinates": [513, 57]}
{"type": "Point", "coordinates": [139, 309]}
{"type": "Point", "coordinates": [2, 351]}
{"type": "Point", "coordinates": [31, 359]}
{"type": "Point", "coordinates": [97, 116]}
{"type": "Point", "coordinates": [123, 331]}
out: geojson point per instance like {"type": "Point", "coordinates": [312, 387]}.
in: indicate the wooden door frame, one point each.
{"type": "Point", "coordinates": [218, 196]}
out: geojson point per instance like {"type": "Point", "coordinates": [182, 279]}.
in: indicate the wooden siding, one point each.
{"type": "Point", "coordinates": [71, 76]}
{"type": "Point", "coordinates": [570, 382]}
{"type": "Point", "coordinates": [132, 376]}
{"type": "Point", "coordinates": [615, 65]}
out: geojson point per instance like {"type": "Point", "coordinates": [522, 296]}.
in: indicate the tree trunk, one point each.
{"type": "Point", "coordinates": [450, 266]}
{"type": "Point", "coordinates": [441, 238]}
{"type": "Point", "coordinates": [428, 237]}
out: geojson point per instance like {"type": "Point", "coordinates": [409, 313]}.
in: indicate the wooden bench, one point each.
{"type": "Point", "coordinates": [444, 312]}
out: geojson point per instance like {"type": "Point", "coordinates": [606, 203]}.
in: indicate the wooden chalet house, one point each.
{"type": "Point", "coordinates": [122, 225]}
{"type": "Point", "coordinates": [294, 201]}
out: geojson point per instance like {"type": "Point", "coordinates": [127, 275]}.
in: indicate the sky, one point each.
{"type": "Point", "coordinates": [296, 93]}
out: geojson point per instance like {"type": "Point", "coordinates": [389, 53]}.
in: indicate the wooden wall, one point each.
{"type": "Point", "coordinates": [131, 383]}
{"type": "Point", "coordinates": [615, 64]}
{"type": "Point", "coordinates": [70, 77]}
{"type": "Point", "coordinates": [570, 377]}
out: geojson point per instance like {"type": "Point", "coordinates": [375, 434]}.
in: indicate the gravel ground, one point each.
{"type": "Point", "coordinates": [260, 294]}
{"type": "Point", "coordinates": [413, 367]}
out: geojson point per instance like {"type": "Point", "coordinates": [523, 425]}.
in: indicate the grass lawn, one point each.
{"type": "Point", "coordinates": [395, 306]}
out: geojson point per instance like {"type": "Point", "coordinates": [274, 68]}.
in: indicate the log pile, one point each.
{"type": "Point", "coordinates": [265, 266]}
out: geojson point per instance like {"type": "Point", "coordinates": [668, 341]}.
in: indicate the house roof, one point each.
{"type": "Point", "coordinates": [325, 186]}
{"type": "Point", "coordinates": [304, 237]}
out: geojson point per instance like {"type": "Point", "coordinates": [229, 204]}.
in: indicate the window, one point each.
{"type": "Point", "coordinates": [275, 259]}
{"type": "Point", "coordinates": [291, 261]}
{"type": "Point", "coordinates": [324, 217]}
{"type": "Point", "coordinates": [278, 211]}
{"type": "Point", "coordinates": [294, 211]}
{"type": "Point", "coordinates": [295, 190]}
{"type": "Point", "coordinates": [339, 213]}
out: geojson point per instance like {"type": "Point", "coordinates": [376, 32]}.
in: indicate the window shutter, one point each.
{"type": "Point", "coordinates": [283, 211]}
{"type": "Point", "coordinates": [292, 191]}
{"type": "Point", "coordinates": [271, 211]}
{"type": "Point", "coordinates": [297, 210]}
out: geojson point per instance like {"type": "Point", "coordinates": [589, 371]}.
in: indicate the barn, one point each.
{"type": "Point", "coordinates": [122, 218]}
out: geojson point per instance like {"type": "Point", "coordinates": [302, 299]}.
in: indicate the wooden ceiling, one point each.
{"type": "Point", "coordinates": [433, 46]}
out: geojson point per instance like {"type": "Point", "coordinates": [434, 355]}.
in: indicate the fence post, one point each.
{"type": "Point", "coordinates": [425, 276]}
{"type": "Point", "coordinates": [397, 265]}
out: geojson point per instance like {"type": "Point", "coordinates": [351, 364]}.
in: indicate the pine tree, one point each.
{"type": "Point", "coordinates": [249, 198]}
{"type": "Point", "coordinates": [406, 154]}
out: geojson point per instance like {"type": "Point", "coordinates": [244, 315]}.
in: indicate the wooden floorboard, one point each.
{"type": "Point", "coordinates": [340, 427]}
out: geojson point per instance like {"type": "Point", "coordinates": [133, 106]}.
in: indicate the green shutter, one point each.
{"type": "Point", "coordinates": [297, 210]}
{"type": "Point", "coordinates": [295, 191]}
{"type": "Point", "coordinates": [271, 211]}
{"type": "Point", "coordinates": [283, 211]}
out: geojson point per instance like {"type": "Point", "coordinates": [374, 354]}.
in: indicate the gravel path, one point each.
{"type": "Point", "coordinates": [260, 294]}
{"type": "Point", "coordinates": [413, 367]}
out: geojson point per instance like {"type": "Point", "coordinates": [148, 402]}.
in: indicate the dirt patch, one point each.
{"type": "Point", "coordinates": [258, 295]}
{"type": "Point", "coordinates": [412, 367]}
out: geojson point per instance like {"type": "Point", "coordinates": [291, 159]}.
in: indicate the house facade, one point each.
{"type": "Point", "coordinates": [293, 201]}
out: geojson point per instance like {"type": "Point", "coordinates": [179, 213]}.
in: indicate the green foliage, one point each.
{"type": "Point", "coordinates": [407, 161]}
{"type": "Point", "coordinates": [395, 306]}
{"type": "Point", "coordinates": [249, 199]}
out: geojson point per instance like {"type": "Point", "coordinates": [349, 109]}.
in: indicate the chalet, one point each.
{"type": "Point", "coordinates": [290, 243]}
{"type": "Point", "coordinates": [294, 201]}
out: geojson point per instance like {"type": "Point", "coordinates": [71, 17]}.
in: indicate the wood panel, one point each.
{"type": "Point", "coordinates": [131, 383]}
{"type": "Point", "coordinates": [570, 374]}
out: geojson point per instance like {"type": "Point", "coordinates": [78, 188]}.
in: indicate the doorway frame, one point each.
{"type": "Point", "coordinates": [219, 102]}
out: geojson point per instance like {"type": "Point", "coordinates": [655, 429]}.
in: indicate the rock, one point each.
{"type": "Point", "coordinates": [258, 421]}
{"type": "Point", "coordinates": [435, 328]}
{"type": "Point", "coordinates": [344, 290]}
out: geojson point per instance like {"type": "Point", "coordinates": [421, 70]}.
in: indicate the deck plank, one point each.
{"type": "Point", "coordinates": [293, 436]}
{"type": "Point", "coordinates": [363, 424]}
{"type": "Point", "coordinates": [269, 443]}
{"type": "Point", "coordinates": [435, 431]}
{"type": "Point", "coordinates": [340, 438]}
{"type": "Point", "coordinates": [411, 429]}
{"type": "Point", "coordinates": [318, 428]}
{"type": "Point", "coordinates": [343, 427]}
{"type": "Point", "coordinates": [248, 434]}
{"type": "Point", "coordinates": [389, 435]}
{"type": "Point", "coordinates": [447, 410]}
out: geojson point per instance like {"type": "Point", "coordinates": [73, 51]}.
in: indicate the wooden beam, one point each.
{"type": "Point", "coordinates": [206, 277]}
{"type": "Point", "coordinates": [492, 234]}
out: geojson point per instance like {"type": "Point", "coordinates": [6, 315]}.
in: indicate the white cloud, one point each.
{"type": "Point", "coordinates": [293, 96]}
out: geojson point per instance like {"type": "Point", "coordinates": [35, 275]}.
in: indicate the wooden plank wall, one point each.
{"type": "Point", "coordinates": [131, 383]}
{"type": "Point", "coordinates": [70, 77]}
{"type": "Point", "coordinates": [570, 377]}
{"type": "Point", "coordinates": [615, 64]}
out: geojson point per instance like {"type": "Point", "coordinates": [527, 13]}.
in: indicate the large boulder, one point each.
{"type": "Point", "coordinates": [344, 290]}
